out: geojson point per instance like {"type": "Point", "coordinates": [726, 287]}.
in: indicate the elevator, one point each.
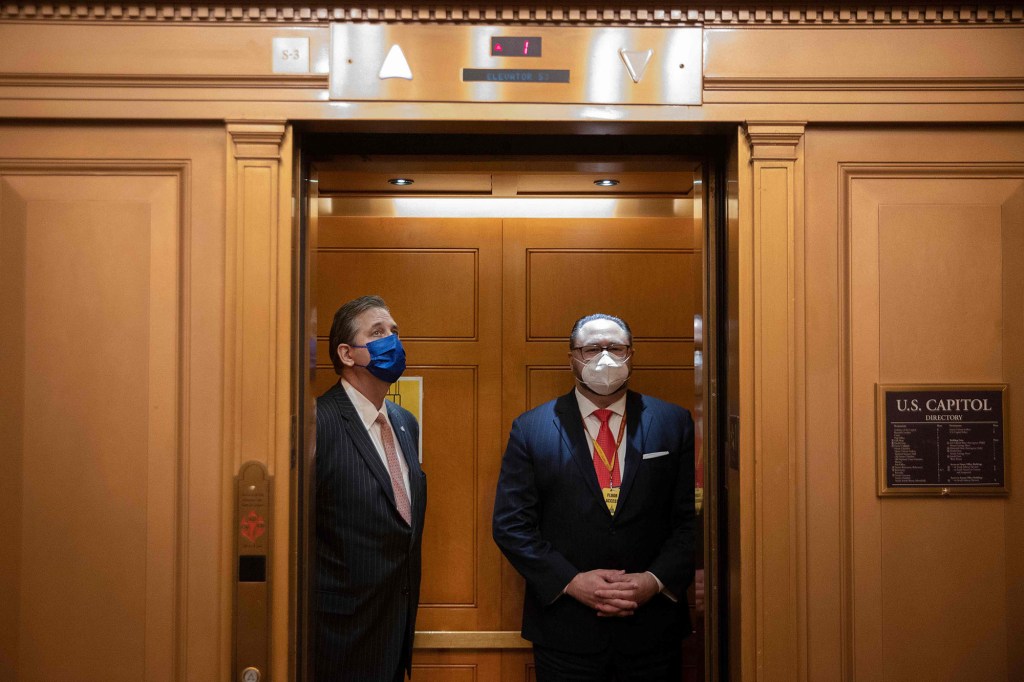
{"type": "Point", "coordinates": [862, 199]}
{"type": "Point", "coordinates": [486, 247]}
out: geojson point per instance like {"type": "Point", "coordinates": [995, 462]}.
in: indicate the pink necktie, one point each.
{"type": "Point", "coordinates": [388, 441]}
{"type": "Point", "coordinates": [606, 442]}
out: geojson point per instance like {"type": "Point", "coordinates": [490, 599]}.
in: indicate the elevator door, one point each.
{"type": "Point", "coordinates": [485, 305]}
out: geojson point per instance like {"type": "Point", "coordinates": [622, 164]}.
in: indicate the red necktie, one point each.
{"type": "Point", "coordinates": [606, 443]}
{"type": "Point", "coordinates": [394, 468]}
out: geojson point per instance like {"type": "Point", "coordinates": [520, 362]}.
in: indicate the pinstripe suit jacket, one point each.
{"type": "Point", "coordinates": [551, 521]}
{"type": "Point", "coordinates": [367, 558]}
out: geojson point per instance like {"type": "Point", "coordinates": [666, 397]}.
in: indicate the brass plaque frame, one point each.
{"type": "Point", "coordinates": [938, 489]}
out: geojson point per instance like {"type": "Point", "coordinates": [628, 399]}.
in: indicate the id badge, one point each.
{"type": "Point", "coordinates": [611, 498]}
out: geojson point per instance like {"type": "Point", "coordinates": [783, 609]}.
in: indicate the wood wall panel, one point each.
{"type": "Point", "coordinates": [917, 239]}
{"type": "Point", "coordinates": [446, 673]}
{"type": "Point", "coordinates": [885, 70]}
{"type": "Point", "coordinates": [934, 273]}
{"type": "Point", "coordinates": [403, 277]}
{"type": "Point", "coordinates": [96, 259]}
{"type": "Point", "coordinates": [99, 457]}
{"type": "Point", "coordinates": [111, 426]}
{"type": "Point", "coordinates": [458, 666]}
{"type": "Point", "coordinates": [952, 257]}
{"type": "Point", "coordinates": [450, 457]}
{"type": "Point", "coordinates": [547, 383]}
{"type": "Point", "coordinates": [612, 280]}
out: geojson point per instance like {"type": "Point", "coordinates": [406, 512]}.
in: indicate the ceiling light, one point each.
{"type": "Point", "coordinates": [401, 182]}
{"type": "Point", "coordinates": [606, 182]}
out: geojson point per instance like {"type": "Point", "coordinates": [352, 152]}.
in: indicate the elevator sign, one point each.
{"type": "Point", "coordinates": [509, 64]}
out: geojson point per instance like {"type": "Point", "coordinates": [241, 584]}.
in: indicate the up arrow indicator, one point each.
{"type": "Point", "coordinates": [636, 62]}
{"type": "Point", "coordinates": [395, 65]}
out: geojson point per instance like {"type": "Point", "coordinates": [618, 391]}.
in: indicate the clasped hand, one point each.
{"type": "Point", "coordinates": [612, 593]}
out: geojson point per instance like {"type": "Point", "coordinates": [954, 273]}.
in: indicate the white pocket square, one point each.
{"type": "Point", "coordinates": [655, 455]}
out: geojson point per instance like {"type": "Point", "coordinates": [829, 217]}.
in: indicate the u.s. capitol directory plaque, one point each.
{"type": "Point", "coordinates": [942, 439]}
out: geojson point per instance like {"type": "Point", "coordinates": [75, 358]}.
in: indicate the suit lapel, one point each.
{"type": "Point", "coordinates": [636, 433]}
{"type": "Point", "coordinates": [363, 444]}
{"type": "Point", "coordinates": [574, 438]}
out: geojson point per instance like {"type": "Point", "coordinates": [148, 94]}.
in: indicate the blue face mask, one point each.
{"type": "Point", "coordinates": [387, 358]}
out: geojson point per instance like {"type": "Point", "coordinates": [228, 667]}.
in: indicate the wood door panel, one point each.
{"type": "Point", "coordinates": [641, 280]}
{"type": "Point", "coordinates": [941, 269]}
{"type": "Point", "coordinates": [450, 458]}
{"type": "Point", "coordinates": [86, 484]}
{"type": "Point", "coordinates": [108, 406]}
{"type": "Point", "coordinates": [405, 277]}
{"type": "Point", "coordinates": [457, 666]}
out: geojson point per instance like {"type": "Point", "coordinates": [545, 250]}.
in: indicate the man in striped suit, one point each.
{"type": "Point", "coordinates": [594, 508]}
{"type": "Point", "coordinates": [371, 497]}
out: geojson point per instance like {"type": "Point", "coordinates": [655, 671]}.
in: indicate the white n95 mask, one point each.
{"type": "Point", "coordinates": [604, 374]}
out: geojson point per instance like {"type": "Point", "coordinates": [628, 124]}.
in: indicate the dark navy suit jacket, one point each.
{"type": "Point", "coordinates": [367, 557]}
{"type": "Point", "coordinates": [551, 521]}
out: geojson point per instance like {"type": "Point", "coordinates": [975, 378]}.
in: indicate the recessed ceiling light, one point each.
{"type": "Point", "coordinates": [606, 182]}
{"type": "Point", "coordinates": [401, 182]}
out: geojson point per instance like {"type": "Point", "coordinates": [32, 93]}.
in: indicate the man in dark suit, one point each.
{"type": "Point", "coordinates": [371, 497]}
{"type": "Point", "coordinates": [595, 508]}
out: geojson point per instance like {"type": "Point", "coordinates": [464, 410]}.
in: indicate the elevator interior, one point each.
{"type": "Point", "coordinates": [486, 248]}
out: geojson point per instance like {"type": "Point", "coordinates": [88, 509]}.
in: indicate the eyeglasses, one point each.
{"type": "Point", "coordinates": [618, 350]}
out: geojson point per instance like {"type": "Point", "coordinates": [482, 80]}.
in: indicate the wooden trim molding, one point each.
{"type": "Point", "coordinates": [499, 639]}
{"type": "Point", "coordinates": [772, 141]}
{"type": "Point", "coordinates": [60, 80]}
{"type": "Point", "coordinates": [775, 400]}
{"type": "Point", "coordinates": [256, 140]}
{"type": "Point", "coordinates": [861, 14]}
{"type": "Point", "coordinates": [257, 335]}
{"type": "Point", "coordinates": [726, 84]}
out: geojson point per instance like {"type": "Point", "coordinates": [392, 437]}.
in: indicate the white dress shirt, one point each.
{"type": "Point", "coordinates": [368, 415]}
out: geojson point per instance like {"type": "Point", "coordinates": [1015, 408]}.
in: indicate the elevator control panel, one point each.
{"type": "Point", "coordinates": [252, 550]}
{"type": "Point", "coordinates": [510, 64]}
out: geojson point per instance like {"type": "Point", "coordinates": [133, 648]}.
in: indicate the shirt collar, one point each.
{"type": "Point", "coordinates": [587, 408]}
{"type": "Point", "coordinates": [364, 408]}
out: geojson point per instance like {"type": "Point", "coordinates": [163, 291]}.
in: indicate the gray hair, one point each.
{"type": "Point", "coordinates": [574, 334]}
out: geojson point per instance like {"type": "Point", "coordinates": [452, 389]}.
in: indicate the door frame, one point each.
{"type": "Point", "coordinates": [713, 151]}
